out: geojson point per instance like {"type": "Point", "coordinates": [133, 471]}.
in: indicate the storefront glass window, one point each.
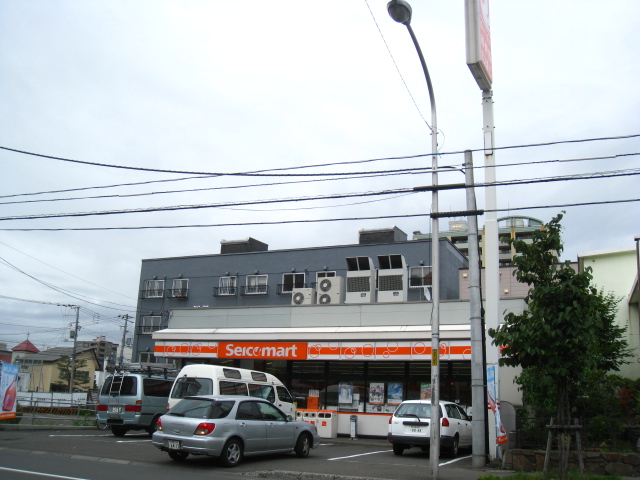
{"type": "Point", "coordinates": [307, 384]}
{"type": "Point", "coordinates": [346, 387]}
{"type": "Point", "coordinates": [385, 386]}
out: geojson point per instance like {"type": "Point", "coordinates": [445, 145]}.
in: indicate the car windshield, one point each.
{"type": "Point", "coordinates": [420, 410]}
{"type": "Point", "coordinates": [201, 408]}
{"type": "Point", "coordinates": [186, 386]}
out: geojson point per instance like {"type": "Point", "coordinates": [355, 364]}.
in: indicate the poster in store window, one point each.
{"type": "Point", "coordinates": [345, 394]}
{"type": "Point", "coordinates": [376, 393]}
{"type": "Point", "coordinates": [394, 394]}
{"type": "Point", "coordinates": [425, 391]}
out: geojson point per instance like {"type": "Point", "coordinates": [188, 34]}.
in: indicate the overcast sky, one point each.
{"type": "Point", "coordinates": [228, 87]}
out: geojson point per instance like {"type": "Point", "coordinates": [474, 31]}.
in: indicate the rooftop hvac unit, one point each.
{"type": "Point", "coordinates": [303, 296]}
{"type": "Point", "coordinates": [392, 278]}
{"type": "Point", "coordinates": [361, 280]}
{"type": "Point", "coordinates": [330, 291]}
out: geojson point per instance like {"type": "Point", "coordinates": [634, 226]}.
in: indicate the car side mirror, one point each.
{"type": "Point", "coordinates": [289, 418]}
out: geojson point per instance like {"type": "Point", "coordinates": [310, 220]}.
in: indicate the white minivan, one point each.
{"type": "Point", "coordinates": [201, 379]}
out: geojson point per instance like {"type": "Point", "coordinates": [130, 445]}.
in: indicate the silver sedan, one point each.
{"type": "Point", "coordinates": [230, 427]}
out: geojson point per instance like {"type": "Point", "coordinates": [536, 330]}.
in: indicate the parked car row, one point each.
{"type": "Point", "coordinates": [230, 413]}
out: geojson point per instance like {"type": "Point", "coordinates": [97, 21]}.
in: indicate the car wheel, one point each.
{"type": "Point", "coordinates": [303, 446]}
{"type": "Point", "coordinates": [231, 453]}
{"type": "Point", "coordinates": [118, 430]}
{"type": "Point", "coordinates": [398, 449]}
{"type": "Point", "coordinates": [453, 451]}
{"type": "Point", "coordinates": [178, 456]}
{"type": "Point", "coordinates": [154, 424]}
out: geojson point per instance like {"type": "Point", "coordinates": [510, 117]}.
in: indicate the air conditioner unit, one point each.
{"type": "Point", "coordinates": [303, 296]}
{"type": "Point", "coordinates": [392, 278]}
{"type": "Point", "coordinates": [330, 291]}
{"type": "Point", "coordinates": [361, 280]}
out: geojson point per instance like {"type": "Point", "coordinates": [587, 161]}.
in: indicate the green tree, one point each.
{"type": "Point", "coordinates": [80, 377]}
{"type": "Point", "coordinates": [567, 330]}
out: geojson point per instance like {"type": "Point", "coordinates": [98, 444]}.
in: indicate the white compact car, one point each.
{"type": "Point", "coordinates": [410, 426]}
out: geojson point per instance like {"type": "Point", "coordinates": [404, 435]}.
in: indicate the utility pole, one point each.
{"type": "Point", "coordinates": [125, 317]}
{"type": "Point", "coordinates": [478, 385]}
{"type": "Point", "coordinates": [73, 355]}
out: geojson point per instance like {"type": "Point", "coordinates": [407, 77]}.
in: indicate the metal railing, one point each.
{"type": "Point", "coordinates": [48, 409]}
{"type": "Point", "coordinates": [597, 433]}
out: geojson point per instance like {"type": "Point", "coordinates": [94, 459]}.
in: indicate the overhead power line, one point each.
{"type": "Point", "coordinates": [585, 176]}
{"type": "Point", "coordinates": [282, 222]}
{"type": "Point", "coordinates": [362, 175]}
{"type": "Point", "coordinates": [278, 171]}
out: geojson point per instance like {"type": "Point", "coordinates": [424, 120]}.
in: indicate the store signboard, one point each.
{"type": "Point", "coordinates": [479, 42]}
{"type": "Point", "coordinates": [263, 350]}
{"type": "Point", "coordinates": [362, 350]}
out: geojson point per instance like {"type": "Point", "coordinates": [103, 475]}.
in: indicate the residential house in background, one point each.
{"type": "Point", "coordinates": [39, 372]}
{"type": "Point", "coordinates": [616, 271]}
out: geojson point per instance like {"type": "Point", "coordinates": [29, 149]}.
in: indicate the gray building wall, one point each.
{"type": "Point", "coordinates": [204, 272]}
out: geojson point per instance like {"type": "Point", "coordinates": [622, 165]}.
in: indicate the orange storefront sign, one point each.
{"type": "Point", "coordinates": [275, 350]}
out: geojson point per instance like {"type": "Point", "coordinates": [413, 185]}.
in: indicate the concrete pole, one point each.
{"type": "Point", "coordinates": [73, 355]}
{"type": "Point", "coordinates": [124, 336]}
{"type": "Point", "coordinates": [478, 386]}
{"type": "Point", "coordinates": [491, 255]}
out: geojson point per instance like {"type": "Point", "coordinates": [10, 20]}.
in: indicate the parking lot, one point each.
{"type": "Point", "coordinates": [340, 457]}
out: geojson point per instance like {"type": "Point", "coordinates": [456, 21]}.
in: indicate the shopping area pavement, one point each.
{"type": "Point", "coordinates": [386, 468]}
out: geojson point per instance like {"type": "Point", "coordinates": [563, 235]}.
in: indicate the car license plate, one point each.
{"type": "Point", "coordinates": [414, 429]}
{"type": "Point", "coordinates": [173, 444]}
{"type": "Point", "coordinates": [115, 409]}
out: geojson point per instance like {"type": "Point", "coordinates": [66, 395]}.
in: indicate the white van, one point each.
{"type": "Point", "coordinates": [203, 379]}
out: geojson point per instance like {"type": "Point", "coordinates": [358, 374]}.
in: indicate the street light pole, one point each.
{"type": "Point", "coordinates": [400, 11]}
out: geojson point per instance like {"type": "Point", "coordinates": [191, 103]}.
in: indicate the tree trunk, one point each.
{"type": "Point", "coordinates": [563, 420]}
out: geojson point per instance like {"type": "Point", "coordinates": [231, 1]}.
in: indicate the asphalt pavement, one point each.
{"type": "Point", "coordinates": [451, 469]}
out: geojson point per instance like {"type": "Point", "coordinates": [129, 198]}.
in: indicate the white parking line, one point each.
{"type": "Point", "coordinates": [360, 455]}
{"type": "Point", "coordinates": [455, 460]}
{"type": "Point", "coordinates": [40, 474]}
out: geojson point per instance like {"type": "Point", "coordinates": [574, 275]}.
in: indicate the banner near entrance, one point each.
{"type": "Point", "coordinates": [371, 351]}
{"type": "Point", "coordinates": [8, 390]}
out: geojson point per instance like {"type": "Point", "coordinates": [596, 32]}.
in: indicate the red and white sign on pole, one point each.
{"type": "Point", "coordinates": [479, 42]}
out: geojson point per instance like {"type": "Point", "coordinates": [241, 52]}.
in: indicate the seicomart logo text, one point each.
{"type": "Point", "coordinates": [279, 350]}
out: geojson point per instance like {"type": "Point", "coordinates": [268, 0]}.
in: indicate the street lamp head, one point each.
{"type": "Point", "coordinates": [400, 11]}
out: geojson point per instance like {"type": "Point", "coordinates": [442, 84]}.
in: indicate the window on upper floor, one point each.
{"type": "Point", "coordinates": [150, 323]}
{"type": "Point", "coordinates": [256, 285]}
{"type": "Point", "coordinates": [419, 277]}
{"type": "Point", "coordinates": [291, 281]}
{"type": "Point", "coordinates": [226, 287]}
{"type": "Point", "coordinates": [180, 287]}
{"type": "Point", "coordinates": [154, 289]}
{"type": "Point", "coordinates": [148, 357]}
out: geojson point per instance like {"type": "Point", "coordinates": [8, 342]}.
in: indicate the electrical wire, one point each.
{"type": "Point", "coordinates": [587, 176]}
{"type": "Point", "coordinates": [56, 268]}
{"type": "Point", "coordinates": [277, 171]}
{"type": "Point", "coordinates": [74, 295]}
{"type": "Point", "coordinates": [282, 222]}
